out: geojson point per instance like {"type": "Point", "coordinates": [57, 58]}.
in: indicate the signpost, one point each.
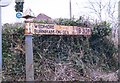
{"type": "Point", "coordinates": [44, 29]}
{"type": "Point", "coordinates": [29, 48]}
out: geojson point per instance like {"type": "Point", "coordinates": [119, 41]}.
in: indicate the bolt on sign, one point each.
{"type": "Point", "coordinates": [52, 29]}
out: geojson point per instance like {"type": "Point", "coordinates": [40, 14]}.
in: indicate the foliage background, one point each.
{"type": "Point", "coordinates": [60, 57]}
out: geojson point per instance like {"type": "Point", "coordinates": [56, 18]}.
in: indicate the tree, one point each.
{"type": "Point", "coordinates": [104, 9]}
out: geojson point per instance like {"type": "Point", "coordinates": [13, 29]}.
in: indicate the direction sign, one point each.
{"type": "Point", "coordinates": [51, 29]}
{"type": "Point", "coordinates": [18, 14]}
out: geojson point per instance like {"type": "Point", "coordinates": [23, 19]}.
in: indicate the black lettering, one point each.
{"type": "Point", "coordinates": [57, 31]}
{"type": "Point", "coordinates": [51, 31]}
{"type": "Point", "coordinates": [46, 26]}
{"type": "Point", "coordinates": [79, 30]}
{"type": "Point", "coordinates": [65, 32]}
{"type": "Point", "coordinates": [84, 31]}
{"type": "Point", "coordinates": [43, 31]}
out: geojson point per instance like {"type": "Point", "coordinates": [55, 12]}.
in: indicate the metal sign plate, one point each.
{"type": "Point", "coordinates": [51, 29]}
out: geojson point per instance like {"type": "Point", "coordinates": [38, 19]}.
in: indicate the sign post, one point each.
{"type": "Point", "coordinates": [44, 29]}
{"type": "Point", "coordinates": [29, 48]}
{"type": "Point", "coordinates": [29, 58]}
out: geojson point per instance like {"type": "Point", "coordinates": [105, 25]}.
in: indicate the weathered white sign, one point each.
{"type": "Point", "coordinates": [51, 29]}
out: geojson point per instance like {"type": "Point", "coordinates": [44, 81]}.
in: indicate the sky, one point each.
{"type": "Point", "coordinates": [52, 8]}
